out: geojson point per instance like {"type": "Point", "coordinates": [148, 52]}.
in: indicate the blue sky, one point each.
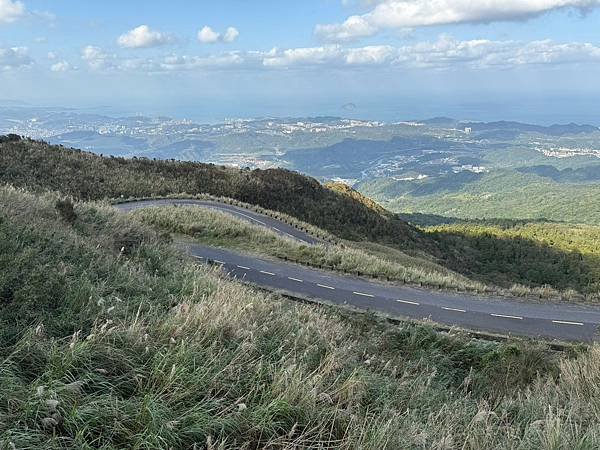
{"type": "Point", "coordinates": [535, 60]}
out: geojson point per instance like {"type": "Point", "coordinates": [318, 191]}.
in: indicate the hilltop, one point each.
{"type": "Point", "coordinates": [498, 259]}
{"type": "Point", "coordinates": [88, 176]}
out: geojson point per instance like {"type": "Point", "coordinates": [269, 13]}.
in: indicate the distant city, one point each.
{"type": "Point", "coordinates": [333, 148]}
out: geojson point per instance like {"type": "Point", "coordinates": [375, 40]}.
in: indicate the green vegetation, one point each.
{"type": "Point", "coordinates": [222, 230]}
{"type": "Point", "coordinates": [506, 194]}
{"type": "Point", "coordinates": [498, 256]}
{"type": "Point", "coordinates": [563, 256]}
{"type": "Point", "coordinates": [521, 264]}
{"type": "Point", "coordinates": [112, 339]}
{"type": "Point", "coordinates": [90, 177]}
{"type": "Point", "coordinates": [473, 222]}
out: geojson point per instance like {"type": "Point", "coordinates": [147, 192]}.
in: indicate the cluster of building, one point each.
{"type": "Point", "coordinates": [565, 152]}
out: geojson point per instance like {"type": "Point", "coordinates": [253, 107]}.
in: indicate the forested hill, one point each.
{"type": "Point", "coordinates": [527, 255]}
{"type": "Point", "coordinates": [40, 167]}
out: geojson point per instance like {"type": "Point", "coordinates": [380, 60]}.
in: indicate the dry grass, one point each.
{"type": "Point", "coordinates": [293, 221]}
{"type": "Point", "coordinates": [122, 343]}
{"type": "Point", "coordinates": [221, 229]}
{"type": "Point", "coordinates": [364, 258]}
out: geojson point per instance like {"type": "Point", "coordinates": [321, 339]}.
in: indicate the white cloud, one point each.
{"type": "Point", "coordinates": [226, 60]}
{"type": "Point", "coordinates": [97, 59]}
{"type": "Point", "coordinates": [444, 53]}
{"type": "Point", "coordinates": [14, 58]}
{"type": "Point", "coordinates": [371, 55]}
{"type": "Point", "coordinates": [61, 66]}
{"type": "Point", "coordinates": [548, 52]}
{"type": "Point", "coordinates": [484, 54]}
{"type": "Point", "coordinates": [303, 56]}
{"type": "Point", "coordinates": [331, 55]}
{"type": "Point", "coordinates": [144, 37]}
{"type": "Point", "coordinates": [209, 36]}
{"type": "Point", "coordinates": [399, 14]}
{"type": "Point", "coordinates": [231, 34]}
{"type": "Point", "coordinates": [11, 10]}
{"type": "Point", "coordinates": [354, 27]}
{"type": "Point", "coordinates": [52, 55]}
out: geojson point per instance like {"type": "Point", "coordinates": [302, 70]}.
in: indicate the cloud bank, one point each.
{"type": "Point", "coordinates": [442, 54]}
{"type": "Point", "coordinates": [399, 14]}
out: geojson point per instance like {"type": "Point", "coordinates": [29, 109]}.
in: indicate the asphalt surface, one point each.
{"type": "Point", "coordinates": [562, 321]}
{"type": "Point", "coordinates": [279, 227]}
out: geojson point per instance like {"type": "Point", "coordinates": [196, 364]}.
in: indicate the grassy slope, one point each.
{"type": "Point", "coordinates": [506, 251]}
{"type": "Point", "coordinates": [87, 176]}
{"type": "Point", "coordinates": [565, 256]}
{"type": "Point", "coordinates": [111, 340]}
{"type": "Point", "coordinates": [222, 230]}
{"type": "Point", "coordinates": [513, 259]}
{"type": "Point", "coordinates": [337, 209]}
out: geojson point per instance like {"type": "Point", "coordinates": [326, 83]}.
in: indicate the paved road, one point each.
{"type": "Point", "coordinates": [548, 320]}
{"type": "Point", "coordinates": [241, 213]}
{"type": "Point", "coordinates": [561, 321]}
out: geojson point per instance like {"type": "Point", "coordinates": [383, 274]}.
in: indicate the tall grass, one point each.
{"type": "Point", "coordinates": [364, 258]}
{"type": "Point", "coordinates": [123, 343]}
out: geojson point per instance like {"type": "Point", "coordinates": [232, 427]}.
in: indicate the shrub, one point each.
{"type": "Point", "coordinates": [66, 210]}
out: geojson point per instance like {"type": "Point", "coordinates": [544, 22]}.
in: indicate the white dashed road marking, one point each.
{"type": "Point", "coordinates": [408, 302]}
{"type": "Point", "coordinates": [325, 287]}
{"type": "Point", "coordinates": [363, 294]}
{"type": "Point", "coordinates": [454, 309]}
{"type": "Point", "coordinates": [566, 322]}
{"type": "Point", "coordinates": [506, 317]}
{"type": "Point", "coordinates": [267, 273]}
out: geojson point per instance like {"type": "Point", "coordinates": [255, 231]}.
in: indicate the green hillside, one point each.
{"type": "Point", "coordinates": [86, 176]}
{"type": "Point", "coordinates": [500, 194]}
{"type": "Point", "coordinates": [484, 258]}
{"type": "Point", "coordinates": [112, 339]}
{"type": "Point", "coordinates": [564, 256]}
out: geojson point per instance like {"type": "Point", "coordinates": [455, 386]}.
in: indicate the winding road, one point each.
{"type": "Point", "coordinates": [562, 321]}
{"type": "Point", "coordinates": [279, 227]}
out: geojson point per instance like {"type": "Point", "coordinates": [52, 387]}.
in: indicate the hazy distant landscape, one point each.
{"type": "Point", "coordinates": [438, 166]}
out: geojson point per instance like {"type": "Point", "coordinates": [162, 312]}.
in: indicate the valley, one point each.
{"type": "Point", "coordinates": [443, 166]}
